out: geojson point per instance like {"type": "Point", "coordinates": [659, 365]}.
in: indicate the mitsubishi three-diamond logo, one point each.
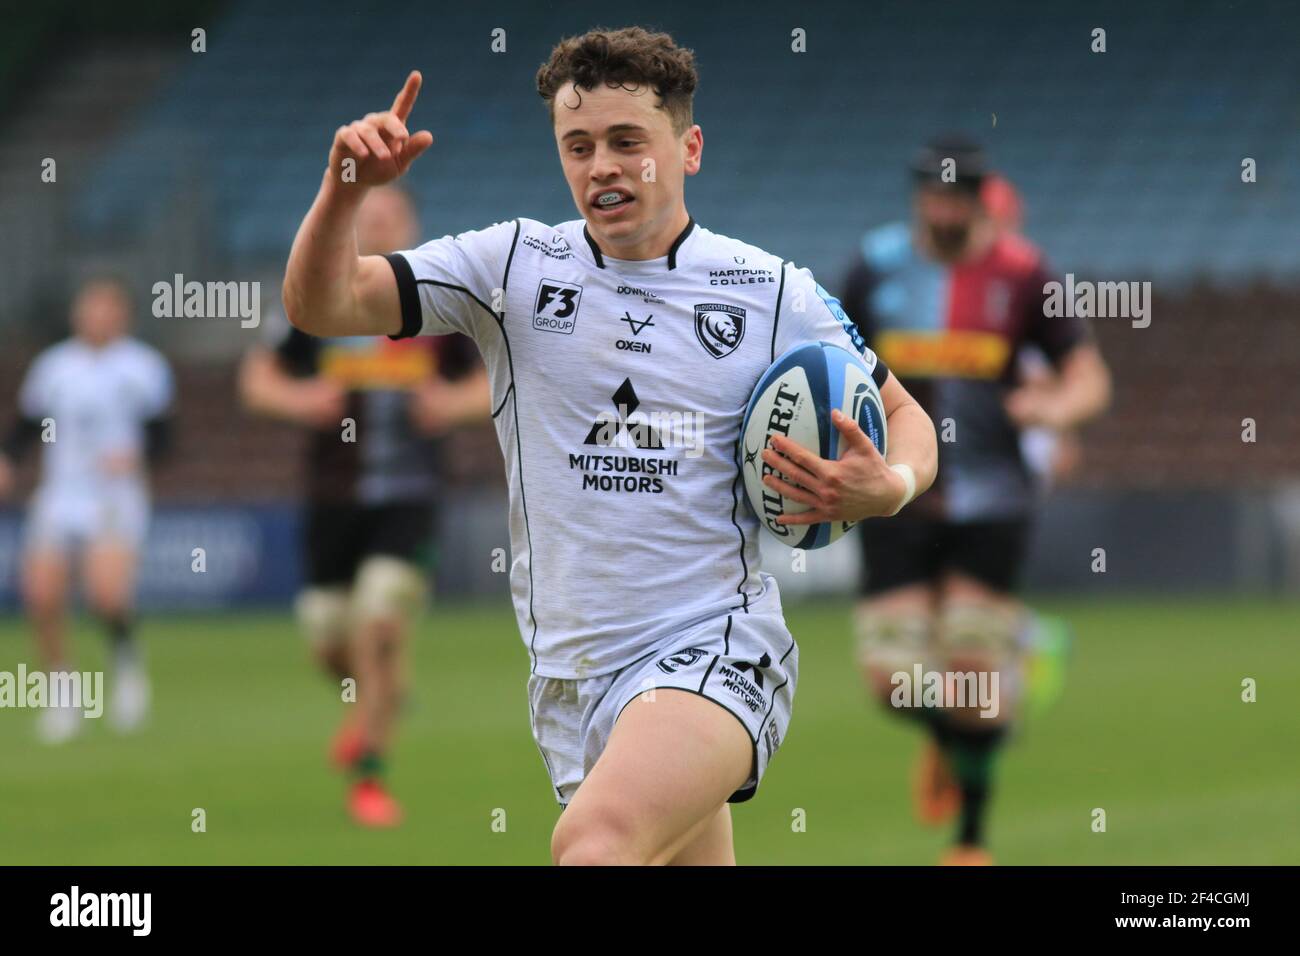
{"type": "Point", "coordinates": [764, 661]}
{"type": "Point", "coordinates": [625, 426]}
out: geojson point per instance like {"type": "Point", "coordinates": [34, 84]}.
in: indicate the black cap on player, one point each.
{"type": "Point", "coordinates": [952, 161]}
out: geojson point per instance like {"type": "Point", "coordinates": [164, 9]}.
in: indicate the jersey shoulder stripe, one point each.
{"type": "Point", "coordinates": [470, 264]}
{"type": "Point", "coordinates": [837, 310]}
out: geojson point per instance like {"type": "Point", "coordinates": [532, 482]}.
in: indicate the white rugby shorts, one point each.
{"type": "Point", "coordinates": [746, 663]}
{"type": "Point", "coordinates": [62, 518]}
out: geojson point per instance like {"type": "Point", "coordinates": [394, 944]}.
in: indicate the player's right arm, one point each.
{"type": "Point", "coordinates": [1081, 388]}
{"type": "Point", "coordinates": [329, 289]}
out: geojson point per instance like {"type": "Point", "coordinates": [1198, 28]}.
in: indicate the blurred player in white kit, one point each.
{"type": "Point", "coordinates": [98, 403]}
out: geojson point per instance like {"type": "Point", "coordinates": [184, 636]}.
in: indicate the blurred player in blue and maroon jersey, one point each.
{"type": "Point", "coordinates": [370, 514]}
{"type": "Point", "coordinates": [950, 303]}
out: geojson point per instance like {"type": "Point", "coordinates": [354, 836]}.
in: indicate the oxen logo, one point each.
{"type": "Point", "coordinates": [719, 328]}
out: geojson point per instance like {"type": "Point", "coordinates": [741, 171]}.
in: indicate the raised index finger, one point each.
{"type": "Point", "coordinates": [406, 98]}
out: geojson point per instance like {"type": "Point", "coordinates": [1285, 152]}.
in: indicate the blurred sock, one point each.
{"type": "Point", "coordinates": [121, 640]}
{"type": "Point", "coordinates": [972, 754]}
{"type": "Point", "coordinates": [369, 766]}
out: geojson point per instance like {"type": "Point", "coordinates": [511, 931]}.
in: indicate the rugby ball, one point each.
{"type": "Point", "coordinates": [794, 398]}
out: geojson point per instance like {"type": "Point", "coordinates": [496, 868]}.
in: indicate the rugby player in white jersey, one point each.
{"type": "Point", "coordinates": [98, 401]}
{"type": "Point", "coordinates": [622, 349]}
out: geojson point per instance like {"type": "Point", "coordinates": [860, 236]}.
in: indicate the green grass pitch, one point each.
{"type": "Point", "coordinates": [1152, 729]}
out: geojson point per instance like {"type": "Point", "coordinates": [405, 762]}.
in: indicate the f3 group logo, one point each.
{"type": "Point", "coordinates": [556, 309]}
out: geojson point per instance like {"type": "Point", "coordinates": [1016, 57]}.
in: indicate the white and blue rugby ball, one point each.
{"type": "Point", "coordinates": [794, 398]}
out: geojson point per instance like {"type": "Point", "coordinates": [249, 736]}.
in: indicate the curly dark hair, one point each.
{"type": "Point", "coordinates": [633, 58]}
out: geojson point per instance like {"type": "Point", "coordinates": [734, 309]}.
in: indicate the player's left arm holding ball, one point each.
{"type": "Point", "coordinates": [862, 483]}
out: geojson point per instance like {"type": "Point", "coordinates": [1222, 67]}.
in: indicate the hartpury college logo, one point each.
{"type": "Point", "coordinates": [719, 327]}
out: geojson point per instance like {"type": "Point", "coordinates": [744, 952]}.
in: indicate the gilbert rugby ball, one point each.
{"type": "Point", "coordinates": [794, 398]}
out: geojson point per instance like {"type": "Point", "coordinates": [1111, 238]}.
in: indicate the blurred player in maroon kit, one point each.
{"type": "Point", "coordinates": [370, 517]}
{"type": "Point", "coordinates": [950, 303]}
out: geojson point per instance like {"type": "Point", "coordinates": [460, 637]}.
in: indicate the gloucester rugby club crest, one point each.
{"type": "Point", "coordinates": [719, 328]}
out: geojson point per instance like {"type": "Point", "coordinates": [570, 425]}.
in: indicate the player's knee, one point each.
{"type": "Point", "coordinates": [982, 634]}
{"type": "Point", "coordinates": [890, 641]}
{"type": "Point", "coordinates": [324, 615]}
{"type": "Point", "coordinates": [45, 597]}
{"type": "Point", "coordinates": [388, 590]}
{"type": "Point", "coordinates": [595, 836]}
{"type": "Point", "coordinates": [961, 590]}
{"type": "Point", "coordinates": [334, 659]}
{"type": "Point", "coordinates": [981, 648]}
{"type": "Point", "coordinates": [108, 604]}
{"type": "Point", "coordinates": [42, 599]}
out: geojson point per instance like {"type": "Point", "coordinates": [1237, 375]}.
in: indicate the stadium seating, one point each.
{"type": "Point", "coordinates": [1116, 183]}
{"type": "Point", "coordinates": [1129, 162]}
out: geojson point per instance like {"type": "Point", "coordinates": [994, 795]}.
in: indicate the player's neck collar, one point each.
{"type": "Point", "coordinates": [672, 250]}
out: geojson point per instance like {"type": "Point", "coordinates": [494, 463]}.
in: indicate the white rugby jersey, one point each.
{"type": "Point", "coordinates": [618, 391]}
{"type": "Point", "coordinates": [99, 400]}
